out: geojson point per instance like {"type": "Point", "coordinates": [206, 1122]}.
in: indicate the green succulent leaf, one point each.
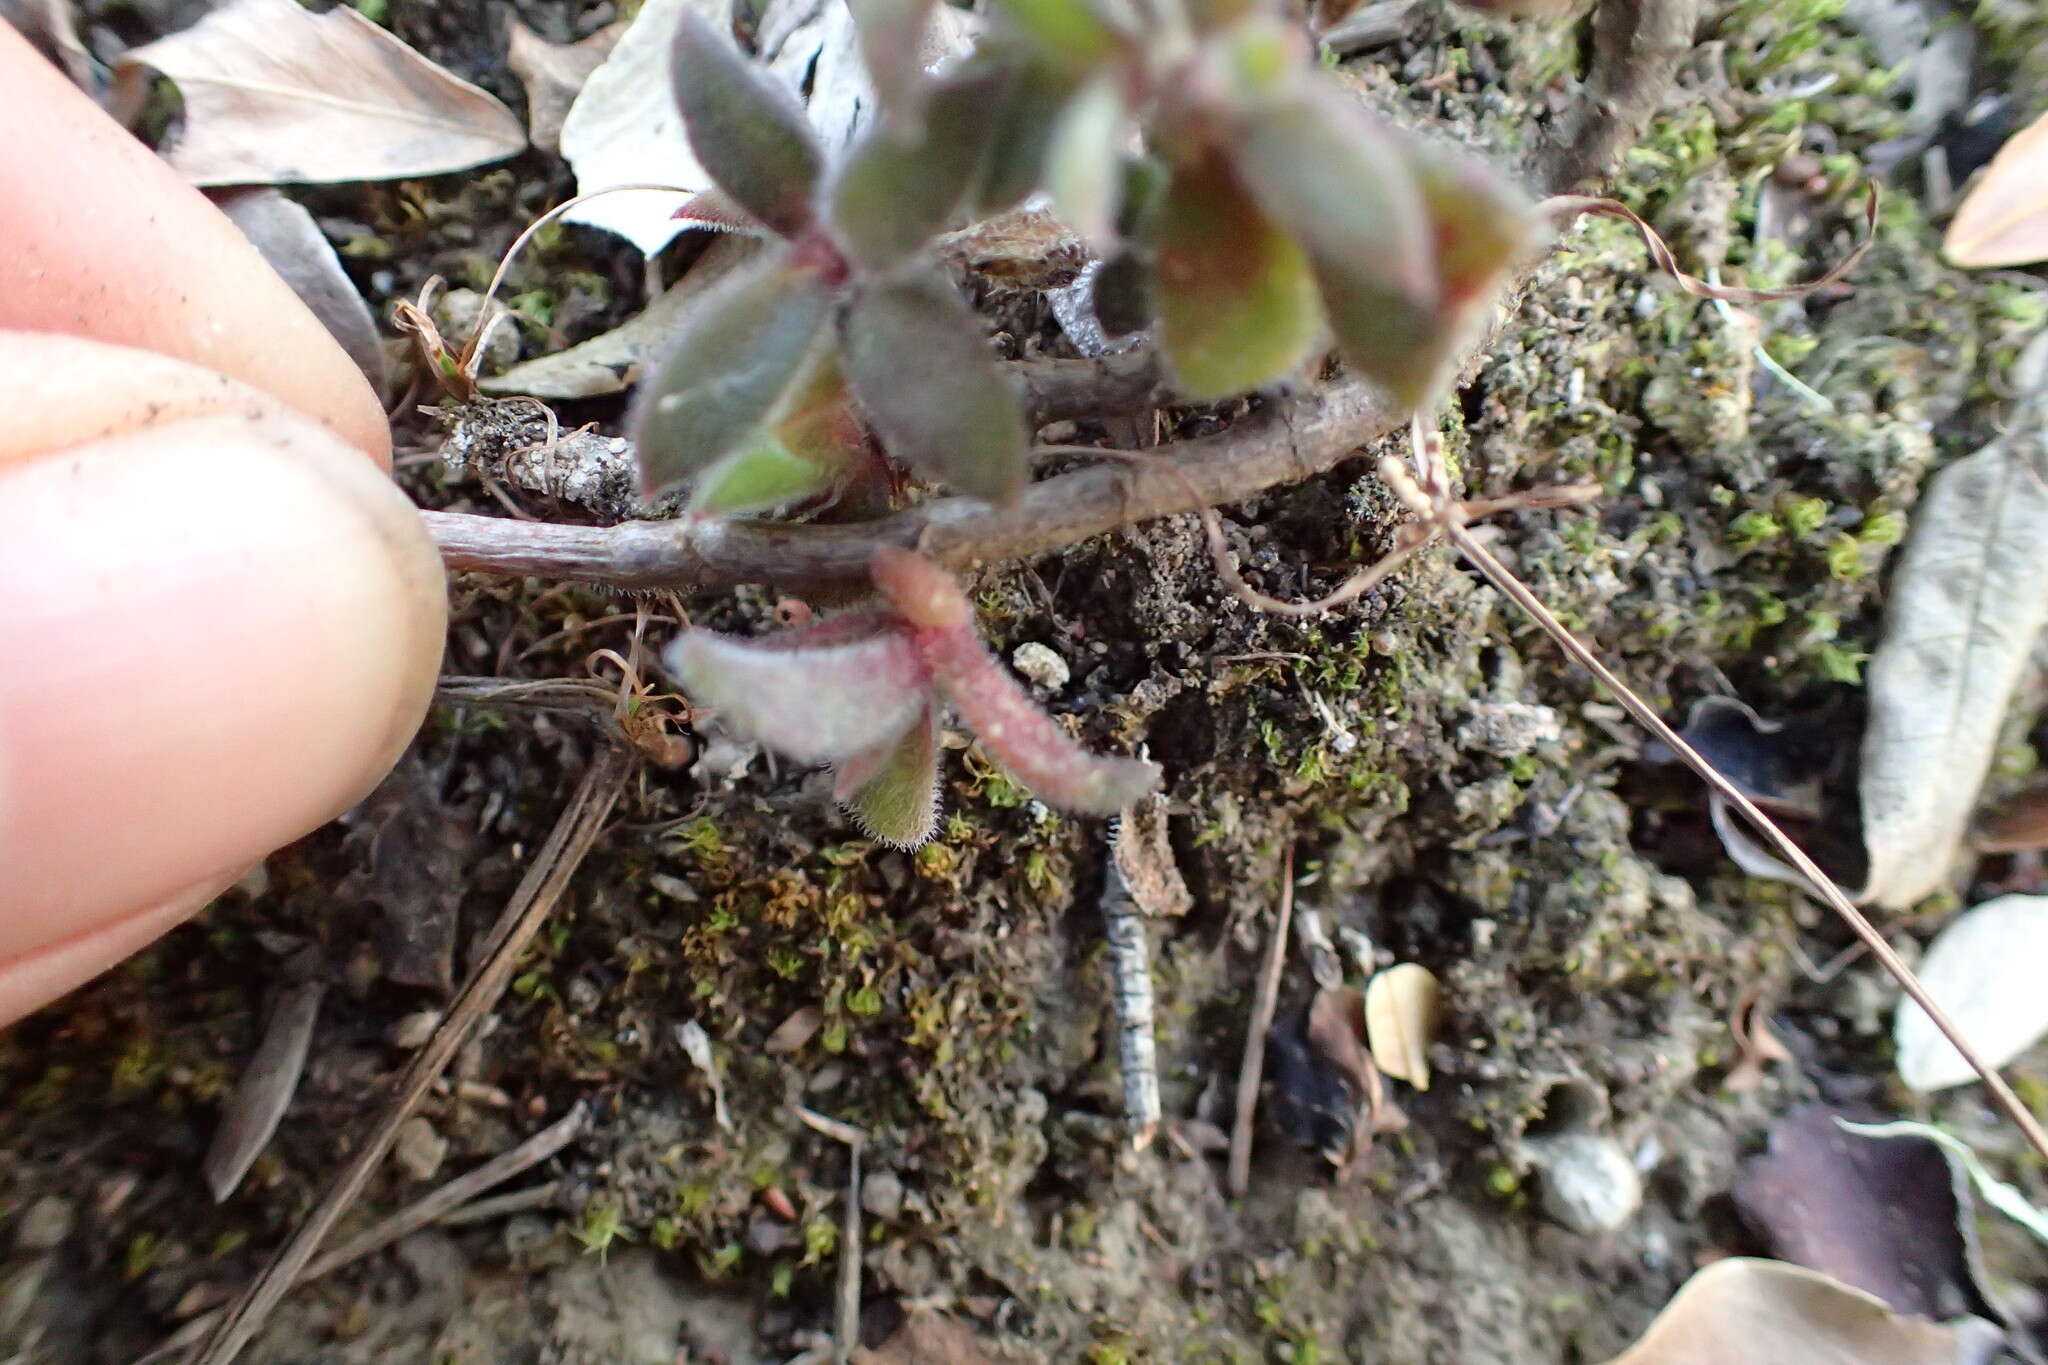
{"type": "Point", "coordinates": [917, 360]}
{"type": "Point", "coordinates": [1072, 32]}
{"type": "Point", "coordinates": [731, 363]}
{"type": "Point", "coordinates": [896, 191]}
{"type": "Point", "coordinates": [827, 691]}
{"type": "Point", "coordinates": [1123, 295]}
{"type": "Point", "coordinates": [1345, 188]}
{"type": "Point", "coordinates": [1482, 222]}
{"type": "Point", "coordinates": [893, 790]}
{"type": "Point", "coordinates": [745, 127]}
{"type": "Point", "coordinates": [1022, 122]}
{"type": "Point", "coordinates": [892, 36]}
{"type": "Point", "coordinates": [766, 474]}
{"type": "Point", "coordinates": [1084, 170]}
{"type": "Point", "coordinates": [1237, 300]}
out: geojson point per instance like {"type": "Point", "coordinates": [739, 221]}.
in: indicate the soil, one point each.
{"type": "Point", "coordinates": [1451, 788]}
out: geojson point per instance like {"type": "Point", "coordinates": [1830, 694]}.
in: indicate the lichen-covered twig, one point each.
{"type": "Point", "coordinates": [556, 862]}
{"type": "Point", "coordinates": [1637, 48]}
{"type": "Point", "coordinates": [1130, 957]}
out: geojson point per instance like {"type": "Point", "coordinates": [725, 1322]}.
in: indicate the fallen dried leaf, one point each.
{"type": "Point", "coordinates": [2003, 220]}
{"type": "Point", "coordinates": [1984, 970]}
{"type": "Point", "coordinates": [624, 129]}
{"type": "Point", "coordinates": [793, 1032]}
{"type": "Point", "coordinates": [1743, 1311]}
{"type": "Point", "coordinates": [929, 1338]}
{"type": "Point", "coordinates": [1756, 1047]}
{"type": "Point", "coordinates": [554, 74]}
{"type": "Point", "coordinates": [252, 1112]}
{"type": "Point", "coordinates": [1881, 1216]}
{"type": "Point", "coordinates": [275, 94]}
{"type": "Point", "coordinates": [1145, 858]}
{"type": "Point", "coordinates": [1968, 600]}
{"type": "Point", "coordinates": [1403, 1005]}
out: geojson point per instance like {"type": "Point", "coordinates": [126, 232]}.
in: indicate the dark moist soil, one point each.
{"type": "Point", "coordinates": [1452, 791]}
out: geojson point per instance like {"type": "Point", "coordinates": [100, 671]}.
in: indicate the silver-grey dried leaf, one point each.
{"type": "Point", "coordinates": [1968, 600]}
{"type": "Point", "coordinates": [275, 94]}
{"type": "Point", "coordinates": [296, 248]}
{"type": "Point", "coordinates": [553, 75]}
{"type": "Point", "coordinates": [1985, 971]}
{"type": "Point", "coordinates": [265, 1090]}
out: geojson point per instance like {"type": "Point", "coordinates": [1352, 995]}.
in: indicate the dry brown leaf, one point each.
{"type": "Point", "coordinates": [1743, 1311]}
{"type": "Point", "coordinates": [928, 1338]}
{"type": "Point", "coordinates": [2004, 218]}
{"type": "Point", "coordinates": [553, 74]}
{"type": "Point", "coordinates": [275, 94]}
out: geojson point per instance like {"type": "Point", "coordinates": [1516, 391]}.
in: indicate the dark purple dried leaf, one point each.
{"type": "Point", "coordinates": [915, 356]}
{"type": "Point", "coordinates": [735, 356]}
{"type": "Point", "coordinates": [745, 127]}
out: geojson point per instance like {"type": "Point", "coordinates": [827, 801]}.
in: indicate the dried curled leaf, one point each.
{"type": "Point", "coordinates": [1744, 1311]}
{"type": "Point", "coordinates": [898, 189]}
{"type": "Point", "coordinates": [893, 790]}
{"type": "Point", "coordinates": [1237, 301]}
{"type": "Point", "coordinates": [1984, 970]}
{"type": "Point", "coordinates": [731, 363]}
{"type": "Point", "coordinates": [823, 692]}
{"type": "Point", "coordinates": [920, 370]}
{"type": "Point", "coordinates": [746, 128]}
{"type": "Point", "coordinates": [2003, 220]}
{"type": "Point", "coordinates": [275, 94]}
{"type": "Point", "coordinates": [1403, 1006]}
{"type": "Point", "coordinates": [1023, 738]}
{"type": "Point", "coordinates": [1968, 600]}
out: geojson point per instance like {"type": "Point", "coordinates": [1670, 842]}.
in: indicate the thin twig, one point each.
{"type": "Point", "coordinates": [1637, 48]}
{"type": "Point", "coordinates": [846, 1323]}
{"type": "Point", "coordinates": [573, 835]}
{"type": "Point", "coordinates": [1290, 440]}
{"type": "Point", "coordinates": [1130, 957]}
{"type": "Point", "coordinates": [1264, 1001]}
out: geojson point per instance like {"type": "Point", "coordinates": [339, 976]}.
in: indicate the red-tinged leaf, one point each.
{"type": "Point", "coordinates": [1483, 223]}
{"type": "Point", "coordinates": [892, 36]}
{"type": "Point", "coordinates": [917, 360]}
{"type": "Point", "coordinates": [893, 790]}
{"type": "Point", "coordinates": [745, 127]}
{"type": "Point", "coordinates": [897, 190]}
{"type": "Point", "coordinates": [1084, 163]}
{"type": "Point", "coordinates": [2003, 219]}
{"type": "Point", "coordinates": [816, 697]}
{"type": "Point", "coordinates": [1237, 301]}
{"type": "Point", "coordinates": [1023, 738]}
{"type": "Point", "coordinates": [731, 363]}
{"type": "Point", "coordinates": [920, 591]}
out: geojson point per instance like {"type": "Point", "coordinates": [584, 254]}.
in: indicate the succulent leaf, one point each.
{"type": "Point", "coordinates": [745, 127]}
{"type": "Point", "coordinates": [1072, 32]}
{"type": "Point", "coordinates": [1022, 122]}
{"type": "Point", "coordinates": [893, 789]}
{"type": "Point", "coordinates": [892, 35]}
{"type": "Point", "coordinates": [917, 361]}
{"type": "Point", "coordinates": [897, 189]}
{"type": "Point", "coordinates": [729, 366]}
{"type": "Point", "coordinates": [810, 693]}
{"type": "Point", "coordinates": [1012, 727]}
{"type": "Point", "coordinates": [1084, 164]}
{"type": "Point", "coordinates": [1237, 300]}
{"type": "Point", "coordinates": [760, 476]}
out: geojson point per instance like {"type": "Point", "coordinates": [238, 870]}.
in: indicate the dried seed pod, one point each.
{"type": "Point", "coordinates": [1402, 1008]}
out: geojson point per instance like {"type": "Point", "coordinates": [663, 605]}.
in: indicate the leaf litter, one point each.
{"type": "Point", "coordinates": [275, 94]}
{"type": "Point", "coordinates": [1984, 969]}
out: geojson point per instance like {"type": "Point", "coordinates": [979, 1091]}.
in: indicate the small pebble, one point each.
{"type": "Point", "coordinates": [1589, 1183]}
{"type": "Point", "coordinates": [881, 1194]}
{"type": "Point", "coordinates": [45, 1225]}
{"type": "Point", "coordinates": [1041, 665]}
{"type": "Point", "coordinates": [418, 1149]}
{"type": "Point", "coordinates": [414, 1029]}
